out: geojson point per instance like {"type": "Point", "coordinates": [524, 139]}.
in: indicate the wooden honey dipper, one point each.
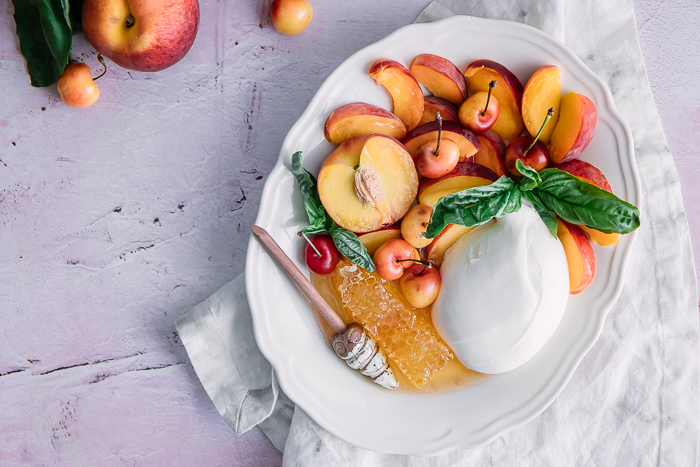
{"type": "Point", "coordinates": [350, 342]}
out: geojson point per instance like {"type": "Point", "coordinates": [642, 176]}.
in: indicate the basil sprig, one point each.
{"type": "Point", "coordinates": [552, 192]}
{"type": "Point", "coordinates": [319, 221]}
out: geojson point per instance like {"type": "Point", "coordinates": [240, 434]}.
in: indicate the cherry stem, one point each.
{"type": "Point", "coordinates": [550, 114]}
{"type": "Point", "coordinates": [492, 85]}
{"type": "Point", "coordinates": [438, 118]}
{"type": "Point", "coordinates": [427, 264]}
{"type": "Point", "coordinates": [302, 234]}
{"type": "Point", "coordinates": [102, 61]}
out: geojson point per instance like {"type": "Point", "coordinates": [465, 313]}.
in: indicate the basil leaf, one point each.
{"type": "Point", "coordinates": [352, 248]}
{"type": "Point", "coordinates": [546, 214]}
{"type": "Point", "coordinates": [318, 217]}
{"type": "Point", "coordinates": [582, 203]}
{"type": "Point", "coordinates": [45, 38]}
{"type": "Point", "coordinates": [530, 176]}
{"type": "Point", "coordinates": [475, 206]}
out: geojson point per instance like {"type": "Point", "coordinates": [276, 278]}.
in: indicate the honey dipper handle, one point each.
{"type": "Point", "coordinates": [299, 279]}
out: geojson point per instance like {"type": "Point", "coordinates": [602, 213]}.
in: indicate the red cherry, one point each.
{"type": "Point", "coordinates": [329, 258]}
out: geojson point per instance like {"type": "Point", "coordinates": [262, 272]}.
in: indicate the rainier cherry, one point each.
{"type": "Point", "coordinates": [480, 111]}
{"type": "Point", "coordinates": [393, 257]}
{"type": "Point", "coordinates": [76, 86]}
{"type": "Point", "coordinates": [436, 157]}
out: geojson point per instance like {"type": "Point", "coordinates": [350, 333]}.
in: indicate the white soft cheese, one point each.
{"type": "Point", "coordinates": [504, 291]}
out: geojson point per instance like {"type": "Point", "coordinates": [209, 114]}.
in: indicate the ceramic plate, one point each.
{"type": "Point", "coordinates": [347, 404]}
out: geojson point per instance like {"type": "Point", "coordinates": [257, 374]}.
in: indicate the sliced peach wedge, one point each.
{"type": "Point", "coordinates": [577, 119]}
{"type": "Point", "coordinates": [466, 140]}
{"type": "Point", "coordinates": [433, 105]}
{"type": "Point", "coordinates": [406, 94]}
{"type": "Point", "coordinates": [358, 119]}
{"type": "Point", "coordinates": [508, 91]}
{"type": "Point", "coordinates": [579, 256]}
{"type": "Point", "coordinates": [465, 175]}
{"type": "Point", "coordinates": [591, 174]}
{"type": "Point", "coordinates": [445, 239]}
{"type": "Point", "coordinates": [491, 152]}
{"type": "Point", "coordinates": [376, 238]}
{"type": "Point", "coordinates": [440, 76]}
{"type": "Point", "coordinates": [542, 92]}
{"type": "Point", "coordinates": [368, 182]}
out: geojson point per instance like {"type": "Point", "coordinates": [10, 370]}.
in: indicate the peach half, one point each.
{"type": "Point", "coordinates": [508, 91]}
{"type": "Point", "coordinates": [445, 239]}
{"type": "Point", "coordinates": [591, 174]}
{"type": "Point", "coordinates": [466, 140]}
{"type": "Point", "coordinates": [433, 105]}
{"type": "Point", "coordinates": [577, 118]}
{"type": "Point", "coordinates": [579, 255]}
{"type": "Point", "coordinates": [542, 92]}
{"type": "Point", "coordinates": [358, 119]}
{"type": "Point", "coordinates": [465, 175]}
{"type": "Point", "coordinates": [375, 239]}
{"type": "Point", "coordinates": [406, 94]}
{"type": "Point", "coordinates": [440, 76]}
{"type": "Point", "coordinates": [368, 182]}
{"type": "Point", "coordinates": [491, 152]}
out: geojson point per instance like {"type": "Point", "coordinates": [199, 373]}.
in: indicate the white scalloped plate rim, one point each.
{"type": "Point", "coordinates": [391, 422]}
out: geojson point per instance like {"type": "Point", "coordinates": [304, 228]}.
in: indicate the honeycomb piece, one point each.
{"type": "Point", "coordinates": [405, 334]}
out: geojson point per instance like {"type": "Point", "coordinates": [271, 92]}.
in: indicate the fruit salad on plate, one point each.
{"type": "Point", "coordinates": [454, 226]}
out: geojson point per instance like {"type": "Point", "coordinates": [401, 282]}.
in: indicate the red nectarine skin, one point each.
{"type": "Point", "coordinates": [433, 104]}
{"type": "Point", "coordinates": [577, 119]}
{"type": "Point", "coordinates": [440, 76]}
{"type": "Point", "coordinates": [491, 153]}
{"type": "Point", "coordinates": [141, 35]}
{"type": "Point", "coordinates": [358, 119]}
{"type": "Point", "coordinates": [582, 247]}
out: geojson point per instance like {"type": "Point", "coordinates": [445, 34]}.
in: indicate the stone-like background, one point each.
{"type": "Point", "coordinates": [115, 220]}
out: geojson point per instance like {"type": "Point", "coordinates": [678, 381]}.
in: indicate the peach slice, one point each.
{"type": "Point", "coordinates": [577, 118]}
{"type": "Point", "coordinates": [508, 91]}
{"type": "Point", "coordinates": [445, 239]}
{"type": "Point", "coordinates": [466, 140]}
{"type": "Point", "coordinates": [406, 94]}
{"type": "Point", "coordinates": [542, 92]}
{"type": "Point", "coordinates": [433, 105]}
{"type": "Point", "coordinates": [358, 119]}
{"type": "Point", "coordinates": [579, 255]}
{"type": "Point", "coordinates": [368, 182]}
{"type": "Point", "coordinates": [492, 152]}
{"type": "Point", "coordinates": [375, 239]}
{"type": "Point", "coordinates": [591, 174]}
{"type": "Point", "coordinates": [440, 76]}
{"type": "Point", "coordinates": [465, 175]}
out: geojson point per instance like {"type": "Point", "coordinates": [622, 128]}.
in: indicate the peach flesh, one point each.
{"type": "Point", "coordinates": [406, 94]}
{"type": "Point", "coordinates": [542, 92]}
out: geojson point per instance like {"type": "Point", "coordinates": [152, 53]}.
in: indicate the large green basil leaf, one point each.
{"type": "Point", "coordinates": [319, 219]}
{"type": "Point", "coordinates": [582, 203]}
{"type": "Point", "coordinates": [475, 206]}
{"type": "Point", "coordinates": [352, 248]}
{"type": "Point", "coordinates": [546, 214]}
{"type": "Point", "coordinates": [45, 36]}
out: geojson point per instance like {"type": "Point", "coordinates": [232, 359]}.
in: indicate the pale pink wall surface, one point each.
{"type": "Point", "coordinates": [116, 219]}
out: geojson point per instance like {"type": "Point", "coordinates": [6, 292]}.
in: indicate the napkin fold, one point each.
{"type": "Point", "coordinates": [634, 398]}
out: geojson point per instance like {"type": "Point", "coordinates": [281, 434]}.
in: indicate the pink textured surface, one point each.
{"type": "Point", "coordinates": [115, 220]}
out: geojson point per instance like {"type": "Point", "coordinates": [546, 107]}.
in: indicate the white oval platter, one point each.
{"type": "Point", "coordinates": [347, 404]}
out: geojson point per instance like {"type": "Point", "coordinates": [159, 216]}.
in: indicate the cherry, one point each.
{"type": "Point", "coordinates": [321, 254]}
{"type": "Point", "coordinates": [76, 87]}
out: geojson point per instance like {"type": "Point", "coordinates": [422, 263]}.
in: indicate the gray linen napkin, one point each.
{"type": "Point", "coordinates": [634, 398]}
